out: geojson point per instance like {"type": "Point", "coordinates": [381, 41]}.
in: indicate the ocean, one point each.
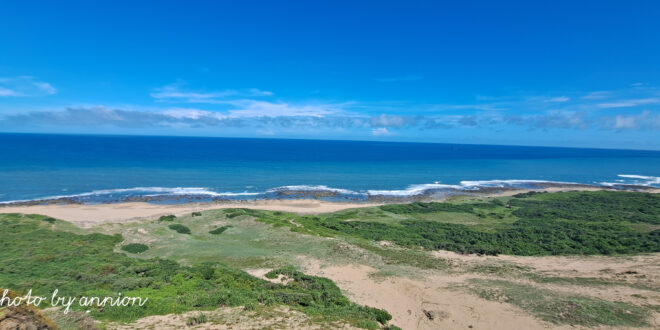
{"type": "Point", "coordinates": [106, 169]}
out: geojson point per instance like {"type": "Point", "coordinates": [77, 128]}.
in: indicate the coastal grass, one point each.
{"type": "Point", "coordinates": [397, 235]}
{"type": "Point", "coordinates": [566, 223]}
{"type": "Point", "coordinates": [562, 308]}
{"type": "Point", "coordinates": [87, 265]}
{"type": "Point", "coordinates": [244, 243]}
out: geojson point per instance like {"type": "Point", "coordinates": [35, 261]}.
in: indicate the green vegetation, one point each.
{"type": "Point", "coordinates": [86, 265]}
{"type": "Point", "coordinates": [562, 308]}
{"type": "Point", "coordinates": [179, 228]}
{"type": "Point", "coordinates": [196, 319]}
{"type": "Point", "coordinates": [167, 218]}
{"type": "Point", "coordinates": [135, 248]}
{"type": "Point", "coordinates": [321, 291]}
{"type": "Point", "coordinates": [219, 230]}
{"type": "Point", "coordinates": [596, 206]}
{"type": "Point", "coordinates": [531, 224]}
{"type": "Point", "coordinates": [196, 214]}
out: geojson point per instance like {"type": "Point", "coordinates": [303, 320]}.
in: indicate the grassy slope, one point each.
{"type": "Point", "coordinates": [34, 254]}
{"type": "Point", "coordinates": [535, 224]}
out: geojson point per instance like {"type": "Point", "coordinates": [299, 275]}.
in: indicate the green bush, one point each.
{"type": "Point", "coordinates": [219, 230]}
{"type": "Point", "coordinates": [179, 228]}
{"type": "Point", "coordinates": [135, 248]}
{"type": "Point", "coordinates": [197, 214]}
{"type": "Point", "coordinates": [170, 217]}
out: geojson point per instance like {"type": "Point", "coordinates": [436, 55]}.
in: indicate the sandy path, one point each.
{"type": "Point", "coordinates": [91, 215]}
{"type": "Point", "coordinates": [410, 300]}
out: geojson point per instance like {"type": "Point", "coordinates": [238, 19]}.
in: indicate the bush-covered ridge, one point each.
{"type": "Point", "coordinates": [86, 265]}
{"type": "Point", "coordinates": [601, 222]}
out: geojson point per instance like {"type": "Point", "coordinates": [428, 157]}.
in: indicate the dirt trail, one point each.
{"type": "Point", "coordinates": [431, 303]}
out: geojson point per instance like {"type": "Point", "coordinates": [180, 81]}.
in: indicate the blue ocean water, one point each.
{"type": "Point", "coordinates": [113, 168]}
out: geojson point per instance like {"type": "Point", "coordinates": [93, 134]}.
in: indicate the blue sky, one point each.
{"type": "Point", "coordinates": [560, 73]}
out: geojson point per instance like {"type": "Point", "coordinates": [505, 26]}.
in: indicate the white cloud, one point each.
{"type": "Point", "coordinates": [629, 103]}
{"type": "Point", "coordinates": [559, 99]}
{"type": "Point", "coordinates": [182, 113]}
{"type": "Point", "coordinates": [254, 108]}
{"type": "Point", "coordinates": [8, 92]}
{"type": "Point", "coordinates": [25, 86]}
{"type": "Point", "coordinates": [644, 120]}
{"type": "Point", "coordinates": [388, 120]}
{"type": "Point", "coordinates": [381, 131]}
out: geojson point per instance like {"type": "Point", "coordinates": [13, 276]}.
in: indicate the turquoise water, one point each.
{"type": "Point", "coordinates": [117, 168]}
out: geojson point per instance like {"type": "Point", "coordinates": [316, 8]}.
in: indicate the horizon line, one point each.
{"type": "Point", "coordinates": [336, 140]}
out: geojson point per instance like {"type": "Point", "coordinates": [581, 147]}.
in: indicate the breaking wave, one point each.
{"type": "Point", "coordinates": [437, 189]}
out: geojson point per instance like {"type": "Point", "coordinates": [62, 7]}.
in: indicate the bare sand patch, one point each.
{"type": "Point", "coordinates": [620, 268]}
{"type": "Point", "coordinates": [261, 273]}
{"type": "Point", "coordinates": [430, 303]}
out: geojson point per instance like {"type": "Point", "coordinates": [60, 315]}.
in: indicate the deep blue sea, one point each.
{"type": "Point", "coordinates": [96, 169]}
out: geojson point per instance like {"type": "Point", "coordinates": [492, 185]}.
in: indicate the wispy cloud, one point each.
{"type": "Point", "coordinates": [629, 103]}
{"type": "Point", "coordinates": [176, 93]}
{"type": "Point", "coordinates": [558, 99]}
{"type": "Point", "coordinates": [25, 86]}
{"type": "Point", "coordinates": [259, 112]}
{"type": "Point", "coordinates": [385, 120]}
{"type": "Point", "coordinates": [380, 125]}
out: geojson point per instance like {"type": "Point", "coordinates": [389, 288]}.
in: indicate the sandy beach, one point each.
{"type": "Point", "coordinates": [87, 216]}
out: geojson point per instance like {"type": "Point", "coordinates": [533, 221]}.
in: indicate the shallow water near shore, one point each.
{"type": "Point", "coordinates": [100, 169]}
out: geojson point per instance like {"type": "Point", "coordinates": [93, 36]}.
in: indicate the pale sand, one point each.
{"type": "Point", "coordinates": [87, 216]}
{"type": "Point", "coordinates": [408, 299]}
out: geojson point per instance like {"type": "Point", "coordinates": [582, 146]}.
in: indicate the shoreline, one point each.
{"type": "Point", "coordinates": [90, 215]}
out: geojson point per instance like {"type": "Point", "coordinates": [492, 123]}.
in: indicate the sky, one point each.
{"type": "Point", "coordinates": [553, 73]}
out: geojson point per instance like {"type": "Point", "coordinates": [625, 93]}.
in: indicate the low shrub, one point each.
{"type": "Point", "coordinates": [179, 228]}
{"type": "Point", "coordinates": [135, 248]}
{"type": "Point", "coordinates": [170, 217]}
{"type": "Point", "coordinates": [219, 230]}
